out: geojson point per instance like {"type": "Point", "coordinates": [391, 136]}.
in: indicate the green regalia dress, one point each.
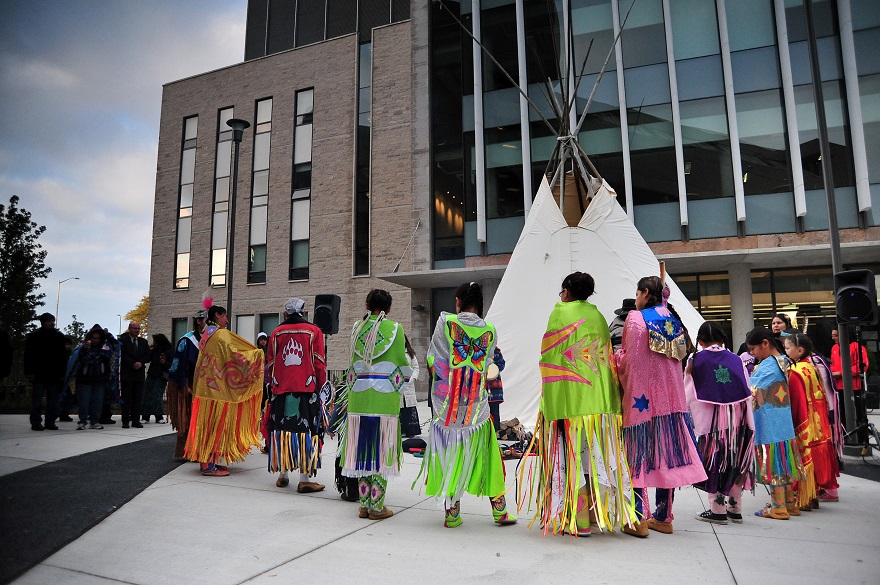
{"type": "Point", "coordinates": [580, 465]}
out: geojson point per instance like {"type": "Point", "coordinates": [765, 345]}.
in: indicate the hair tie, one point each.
{"type": "Point", "coordinates": [665, 294]}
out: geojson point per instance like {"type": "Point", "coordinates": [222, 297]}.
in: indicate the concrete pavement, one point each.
{"type": "Point", "coordinates": [186, 528]}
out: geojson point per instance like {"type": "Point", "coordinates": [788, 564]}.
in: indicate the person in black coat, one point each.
{"type": "Point", "coordinates": [45, 363]}
{"type": "Point", "coordinates": [135, 356]}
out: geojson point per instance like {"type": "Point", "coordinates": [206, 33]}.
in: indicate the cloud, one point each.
{"type": "Point", "coordinates": [80, 87]}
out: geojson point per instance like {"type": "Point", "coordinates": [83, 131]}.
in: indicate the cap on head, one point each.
{"type": "Point", "coordinates": [262, 334]}
{"type": "Point", "coordinates": [294, 305]}
{"type": "Point", "coordinates": [201, 314]}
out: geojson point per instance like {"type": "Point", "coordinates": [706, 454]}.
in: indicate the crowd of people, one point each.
{"type": "Point", "coordinates": [623, 408]}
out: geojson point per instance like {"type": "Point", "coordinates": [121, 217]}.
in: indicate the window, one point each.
{"type": "Point", "coordinates": [260, 193]}
{"type": "Point", "coordinates": [179, 327]}
{"type": "Point", "coordinates": [222, 183]}
{"type": "Point", "coordinates": [268, 322]}
{"type": "Point", "coordinates": [185, 202]}
{"type": "Point", "coordinates": [362, 187]}
{"type": "Point", "coordinates": [300, 205]}
{"type": "Point", "coordinates": [245, 326]}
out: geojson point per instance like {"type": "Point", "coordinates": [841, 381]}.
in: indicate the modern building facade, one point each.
{"type": "Point", "coordinates": [386, 149]}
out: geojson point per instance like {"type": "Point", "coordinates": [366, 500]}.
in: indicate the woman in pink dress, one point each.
{"type": "Point", "coordinates": [658, 431]}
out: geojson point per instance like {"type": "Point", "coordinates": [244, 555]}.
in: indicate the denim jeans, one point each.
{"type": "Point", "coordinates": [50, 390]}
{"type": "Point", "coordinates": [91, 402]}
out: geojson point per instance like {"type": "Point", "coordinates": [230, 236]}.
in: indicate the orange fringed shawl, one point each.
{"type": "Point", "coordinates": [227, 390]}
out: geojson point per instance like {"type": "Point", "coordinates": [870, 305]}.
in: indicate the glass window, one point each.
{"type": "Point", "coordinates": [188, 166]}
{"type": "Point", "coordinates": [755, 70]}
{"type": "Point", "coordinates": [699, 78]}
{"type": "Point", "coordinates": [259, 219]}
{"type": "Point", "coordinates": [218, 239]}
{"type": "Point", "coordinates": [652, 155]}
{"type": "Point", "coordinates": [499, 38]}
{"type": "Point", "coordinates": [867, 45]}
{"type": "Point", "coordinates": [181, 279]}
{"type": "Point", "coordinates": [224, 158]}
{"type": "Point", "coordinates": [761, 123]}
{"type": "Point", "coordinates": [179, 327]}
{"type": "Point", "coordinates": [261, 183]}
{"type": "Point", "coordinates": [190, 128]}
{"type": "Point", "coordinates": [257, 264]}
{"type": "Point", "coordinates": [592, 20]}
{"type": "Point", "coordinates": [184, 233]}
{"type": "Point", "coordinates": [261, 150]}
{"type": "Point", "coordinates": [838, 135]}
{"type": "Point", "coordinates": [264, 111]}
{"type": "Point", "coordinates": [646, 86]}
{"type": "Point", "coordinates": [299, 227]}
{"type": "Point", "coordinates": [694, 28]}
{"type": "Point", "coordinates": [244, 326]}
{"type": "Point", "coordinates": [186, 196]}
{"type": "Point", "coordinates": [302, 146]}
{"type": "Point", "coordinates": [750, 23]}
{"type": "Point", "coordinates": [218, 267]}
{"type": "Point", "coordinates": [643, 39]}
{"type": "Point", "coordinates": [869, 91]}
{"type": "Point", "coordinates": [865, 14]}
{"type": "Point", "coordinates": [706, 147]}
{"type": "Point", "coordinates": [268, 322]}
{"type": "Point", "coordinates": [341, 18]}
{"type": "Point", "coordinates": [299, 260]}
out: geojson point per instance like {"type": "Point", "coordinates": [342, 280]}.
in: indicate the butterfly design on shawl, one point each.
{"type": "Point", "coordinates": [465, 347]}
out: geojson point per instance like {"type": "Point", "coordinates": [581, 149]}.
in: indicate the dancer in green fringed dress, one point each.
{"type": "Point", "coordinates": [379, 370]}
{"type": "Point", "coordinates": [581, 474]}
{"type": "Point", "coordinates": [462, 453]}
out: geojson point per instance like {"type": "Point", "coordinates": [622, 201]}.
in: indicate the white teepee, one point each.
{"type": "Point", "coordinates": [604, 244]}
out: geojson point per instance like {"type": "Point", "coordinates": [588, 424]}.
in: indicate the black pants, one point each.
{"type": "Point", "coordinates": [50, 390]}
{"type": "Point", "coordinates": [132, 392]}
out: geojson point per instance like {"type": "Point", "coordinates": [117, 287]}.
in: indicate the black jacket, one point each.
{"type": "Point", "coordinates": [45, 355]}
{"type": "Point", "coordinates": [139, 351]}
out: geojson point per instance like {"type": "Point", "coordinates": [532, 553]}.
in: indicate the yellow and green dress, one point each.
{"type": "Point", "coordinates": [378, 371]}
{"type": "Point", "coordinates": [462, 453]}
{"type": "Point", "coordinates": [581, 468]}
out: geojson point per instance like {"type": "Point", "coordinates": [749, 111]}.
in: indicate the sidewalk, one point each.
{"type": "Point", "coordinates": [186, 528]}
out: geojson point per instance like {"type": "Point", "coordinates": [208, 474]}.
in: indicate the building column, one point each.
{"type": "Point", "coordinates": [742, 313]}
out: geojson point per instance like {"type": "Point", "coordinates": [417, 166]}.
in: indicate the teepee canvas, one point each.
{"type": "Point", "coordinates": [604, 244]}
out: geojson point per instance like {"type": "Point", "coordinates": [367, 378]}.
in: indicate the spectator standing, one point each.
{"type": "Point", "coordinates": [615, 328]}
{"type": "Point", "coordinates": [92, 365]}
{"type": "Point", "coordinates": [855, 362]}
{"type": "Point", "coordinates": [45, 362]}
{"type": "Point", "coordinates": [180, 381]}
{"type": "Point", "coordinates": [161, 353]}
{"type": "Point", "coordinates": [135, 356]}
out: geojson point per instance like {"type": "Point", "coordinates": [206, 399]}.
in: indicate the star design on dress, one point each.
{"type": "Point", "coordinates": [641, 403]}
{"type": "Point", "coordinates": [722, 375]}
{"type": "Point", "coordinates": [780, 394]}
{"type": "Point", "coordinates": [669, 327]}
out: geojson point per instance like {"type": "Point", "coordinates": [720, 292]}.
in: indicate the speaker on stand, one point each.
{"type": "Point", "coordinates": [327, 313]}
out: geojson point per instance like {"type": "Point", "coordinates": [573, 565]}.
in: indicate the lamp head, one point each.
{"type": "Point", "coordinates": [238, 127]}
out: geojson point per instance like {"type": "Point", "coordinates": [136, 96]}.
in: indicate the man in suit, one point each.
{"type": "Point", "coordinates": [135, 356]}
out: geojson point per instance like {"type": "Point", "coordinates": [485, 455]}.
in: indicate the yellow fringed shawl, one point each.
{"type": "Point", "coordinates": [227, 390]}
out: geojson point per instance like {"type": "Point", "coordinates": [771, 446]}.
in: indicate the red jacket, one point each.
{"type": "Point", "coordinates": [837, 368]}
{"type": "Point", "coordinates": [296, 357]}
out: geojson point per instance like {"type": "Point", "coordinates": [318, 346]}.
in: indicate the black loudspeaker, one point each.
{"type": "Point", "coordinates": [327, 313]}
{"type": "Point", "coordinates": [856, 296]}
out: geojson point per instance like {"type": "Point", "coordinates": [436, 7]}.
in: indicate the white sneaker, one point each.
{"type": "Point", "coordinates": [96, 427]}
{"type": "Point", "coordinates": [81, 427]}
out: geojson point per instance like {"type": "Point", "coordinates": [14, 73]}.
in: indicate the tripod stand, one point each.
{"type": "Point", "coordinates": [865, 429]}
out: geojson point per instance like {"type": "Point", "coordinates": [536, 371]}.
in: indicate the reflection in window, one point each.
{"type": "Point", "coordinates": [185, 202]}
{"type": "Point", "coordinates": [222, 183]}
{"type": "Point", "coordinates": [302, 186]}
{"type": "Point", "coordinates": [761, 124]}
{"type": "Point", "coordinates": [260, 193]}
{"type": "Point", "coordinates": [694, 28]}
{"type": "Point", "coordinates": [643, 39]}
{"type": "Point", "coordinates": [750, 23]}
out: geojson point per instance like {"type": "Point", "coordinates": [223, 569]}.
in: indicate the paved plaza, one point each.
{"type": "Point", "coordinates": [186, 528]}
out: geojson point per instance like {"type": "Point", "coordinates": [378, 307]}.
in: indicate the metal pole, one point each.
{"type": "Point", "coordinates": [833, 233]}
{"type": "Point", "coordinates": [238, 126]}
{"type": "Point", "coordinates": [58, 299]}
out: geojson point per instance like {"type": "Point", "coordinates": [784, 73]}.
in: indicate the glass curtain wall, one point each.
{"type": "Point", "coordinates": [834, 95]}
{"type": "Point", "coordinates": [649, 118]}
{"type": "Point", "coordinates": [866, 37]}
{"type": "Point", "coordinates": [708, 171]}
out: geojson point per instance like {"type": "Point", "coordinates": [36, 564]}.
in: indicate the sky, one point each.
{"type": "Point", "coordinates": [80, 96]}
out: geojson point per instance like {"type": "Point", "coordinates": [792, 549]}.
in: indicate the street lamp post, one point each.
{"type": "Point", "coordinates": [58, 298]}
{"type": "Point", "coordinates": [238, 127]}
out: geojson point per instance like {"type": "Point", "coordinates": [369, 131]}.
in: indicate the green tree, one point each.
{"type": "Point", "coordinates": [140, 314]}
{"type": "Point", "coordinates": [21, 266]}
{"type": "Point", "coordinates": [76, 330]}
